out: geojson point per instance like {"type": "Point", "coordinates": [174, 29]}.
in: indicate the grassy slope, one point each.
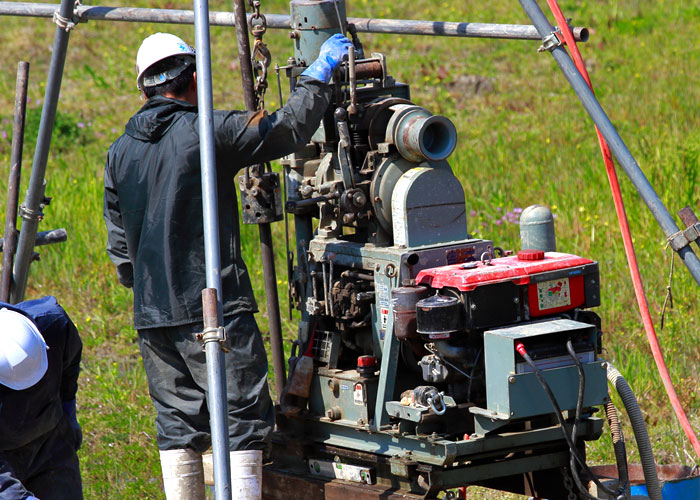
{"type": "Point", "coordinates": [526, 141]}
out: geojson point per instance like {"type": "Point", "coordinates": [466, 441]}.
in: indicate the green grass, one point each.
{"type": "Point", "coordinates": [526, 141]}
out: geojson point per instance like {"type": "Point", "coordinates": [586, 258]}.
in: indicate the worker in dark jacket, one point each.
{"type": "Point", "coordinates": [39, 434]}
{"type": "Point", "coordinates": [153, 212]}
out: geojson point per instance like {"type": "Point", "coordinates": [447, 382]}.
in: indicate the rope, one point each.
{"type": "Point", "coordinates": [629, 246]}
{"type": "Point", "coordinates": [669, 294]}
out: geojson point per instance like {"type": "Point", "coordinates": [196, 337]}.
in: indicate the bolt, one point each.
{"type": "Point", "coordinates": [516, 300]}
{"type": "Point", "coordinates": [294, 35]}
{"type": "Point", "coordinates": [511, 379]}
{"type": "Point", "coordinates": [377, 199]}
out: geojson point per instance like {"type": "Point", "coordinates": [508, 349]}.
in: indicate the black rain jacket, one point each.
{"type": "Point", "coordinates": [153, 200]}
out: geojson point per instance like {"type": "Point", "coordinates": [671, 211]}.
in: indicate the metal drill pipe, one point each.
{"type": "Point", "coordinates": [281, 21]}
{"type": "Point", "coordinates": [273, 309]}
{"type": "Point", "coordinates": [35, 193]}
{"type": "Point", "coordinates": [264, 230]}
{"type": "Point", "coordinates": [617, 146]}
{"type": "Point", "coordinates": [216, 371]}
{"type": "Point", "coordinates": [13, 183]}
{"type": "Point", "coordinates": [244, 54]}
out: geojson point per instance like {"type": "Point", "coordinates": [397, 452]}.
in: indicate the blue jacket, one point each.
{"type": "Point", "coordinates": [25, 415]}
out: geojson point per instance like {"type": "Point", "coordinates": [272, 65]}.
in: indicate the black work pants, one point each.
{"type": "Point", "coordinates": [46, 468]}
{"type": "Point", "coordinates": [177, 380]}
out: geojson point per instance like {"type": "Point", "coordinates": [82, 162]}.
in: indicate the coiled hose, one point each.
{"type": "Point", "coordinates": [640, 431]}
{"type": "Point", "coordinates": [618, 445]}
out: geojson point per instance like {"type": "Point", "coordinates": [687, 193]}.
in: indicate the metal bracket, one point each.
{"type": "Point", "coordinates": [29, 214]}
{"type": "Point", "coordinates": [691, 233]}
{"type": "Point", "coordinates": [214, 334]}
{"type": "Point", "coordinates": [550, 42]}
{"type": "Point", "coordinates": [67, 24]}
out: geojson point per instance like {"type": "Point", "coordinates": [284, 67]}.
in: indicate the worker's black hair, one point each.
{"type": "Point", "coordinates": [177, 86]}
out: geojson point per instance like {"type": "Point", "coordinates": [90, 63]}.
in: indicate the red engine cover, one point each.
{"type": "Point", "coordinates": [544, 297]}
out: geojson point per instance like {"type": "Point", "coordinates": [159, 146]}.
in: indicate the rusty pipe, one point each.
{"type": "Point", "coordinates": [13, 183]}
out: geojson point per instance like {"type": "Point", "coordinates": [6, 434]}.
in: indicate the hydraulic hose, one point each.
{"type": "Point", "coordinates": [640, 431]}
{"type": "Point", "coordinates": [628, 245]}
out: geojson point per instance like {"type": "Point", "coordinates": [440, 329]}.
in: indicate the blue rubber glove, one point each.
{"type": "Point", "coordinates": [69, 411]}
{"type": "Point", "coordinates": [329, 57]}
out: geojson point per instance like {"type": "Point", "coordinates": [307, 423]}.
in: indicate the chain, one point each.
{"type": "Point", "coordinates": [568, 484]}
{"type": "Point", "coordinates": [260, 55]}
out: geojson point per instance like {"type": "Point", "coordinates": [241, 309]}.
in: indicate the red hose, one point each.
{"type": "Point", "coordinates": [627, 240]}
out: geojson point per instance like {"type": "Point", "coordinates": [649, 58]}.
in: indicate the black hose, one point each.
{"type": "Point", "coordinates": [619, 447]}
{"type": "Point", "coordinates": [560, 418]}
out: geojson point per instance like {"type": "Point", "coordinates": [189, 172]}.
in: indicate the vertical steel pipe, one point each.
{"type": "Point", "coordinates": [244, 54]}
{"type": "Point", "coordinates": [10, 240]}
{"type": "Point", "coordinates": [617, 146]}
{"type": "Point", "coordinates": [216, 373]}
{"type": "Point", "coordinates": [265, 231]}
{"type": "Point", "coordinates": [31, 213]}
{"type": "Point", "coordinates": [273, 307]}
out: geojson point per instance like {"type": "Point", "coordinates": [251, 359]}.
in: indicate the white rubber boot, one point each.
{"type": "Point", "coordinates": [183, 474]}
{"type": "Point", "coordinates": [246, 475]}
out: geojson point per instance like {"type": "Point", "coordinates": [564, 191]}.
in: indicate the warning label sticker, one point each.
{"type": "Point", "coordinates": [553, 293]}
{"type": "Point", "coordinates": [384, 311]}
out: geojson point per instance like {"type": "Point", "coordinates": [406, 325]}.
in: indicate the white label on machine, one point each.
{"type": "Point", "coordinates": [358, 395]}
{"type": "Point", "coordinates": [336, 470]}
{"type": "Point", "coordinates": [398, 204]}
{"type": "Point", "coordinates": [553, 293]}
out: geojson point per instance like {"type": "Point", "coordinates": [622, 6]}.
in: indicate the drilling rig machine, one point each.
{"type": "Point", "coordinates": [426, 359]}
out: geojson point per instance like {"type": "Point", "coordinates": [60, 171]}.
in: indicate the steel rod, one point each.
{"type": "Point", "coordinates": [244, 54]}
{"type": "Point", "coordinates": [273, 309]}
{"type": "Point", "coordinates": [617, 145]}
{"type": "Point", "coordinates": [281, 21]}
{"type": "Point", "coordinates": [43, 238]}
{"type": "Point", "coordinates": [13, 183]}
{"type": "Point", "coordinates": [216, 371]}
{"type": "Point", "coordinates": [34, 198]}
{"type": "Point", "coordinates": [264, 230]}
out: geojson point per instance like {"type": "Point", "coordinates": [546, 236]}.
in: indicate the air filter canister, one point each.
{"type": "Point", "coordinates": [438, 316]}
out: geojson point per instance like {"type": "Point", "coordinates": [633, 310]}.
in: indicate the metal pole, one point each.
{"type": "Point", "coordinates": [13, 183]}
{"type": "Point", "coordinates": [34, 198]}
{"type": "Point", "coordinates": [281, 21]}
{"type": "Point", "coordinates": [273, 307]}
{"type": "Point", "coordinates": [244, 54]}
{"type": "Point", "coordinates": [264, 230]}
{"type": "Point", "coordinates": [617, 146]}
{"type": "Point", "coordinates": [216, 373]}
{"type": "Point", "coordinates": [42, 238]}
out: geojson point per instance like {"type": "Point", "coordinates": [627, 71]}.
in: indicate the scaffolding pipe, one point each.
{"type": "Point", "coordinates": [617, 146]}
{"type": "Point", "coordinates": [42, 238]}
{"type": "Point", "coordinates": [281, 21]}
{"type": "Point", "coordinates": [216, 372]}
{"type": "Point", "coordinates": [34, 198]}
{"type": "Point", "coordinates": [13, 182]}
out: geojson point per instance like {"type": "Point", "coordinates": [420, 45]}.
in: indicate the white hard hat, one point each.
{"type": "Point", "coordinates": [23, 359]}
{"type": "Point", "coordinates": [157, 47]}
